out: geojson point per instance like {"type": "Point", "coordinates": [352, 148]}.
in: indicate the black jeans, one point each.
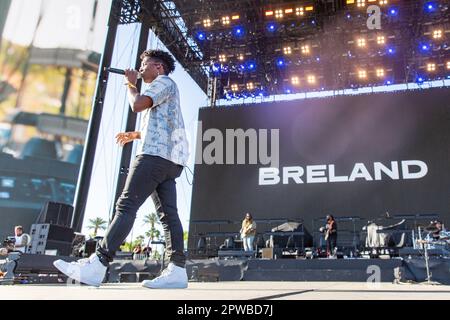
{"type": "Point", "coordinates": [331, 242]}
{"type": "Point", "coordinates": [155, 176]}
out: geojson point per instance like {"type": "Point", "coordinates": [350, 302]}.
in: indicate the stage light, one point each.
{"type": "Point", "coordinates": [348, 16]}
{"type": "Point", "coordinates": [361, 3]}
{"type": "Point", "coordinates": [295, 81]}
{"type": "Point", "coordinates": [271, 27]}
{"type": "Point", "coordinates": [299, 11]}
{"type": "Point", "coordinates": [241, 57]}
{"type": "Point", "coordinates": [362, 74]}
{"type": "Point", "coordinates": [419, 79]}
{"type": "Point", "coordinates": [305, 49]}
{"type": "Point", "coordinates": [383, 2]}
{"type": "Point", "coordinates": [380, 73]}
{"type": "Point", "coordinates": [207, 23]}
{"type": "Point", "coordinates": [279, 14]}
{"type": "Point", "coordinates": [222, 58]}
{"type": "Point", "coordinates": [269, 13]}
{"type": "Point", "coordinates": [287, 50]}
{"type": "Point", "coordinates": [251, 65]}
{"type": "Point", "coordinates": [201, 36]}
{"type": "Point", "coordinates": [234, 87]}
{"type": "Point", "coordinates": [250, 86]}
{"type": "Point", "coordinates": [448, 65]}
{"type": "Point", "coordinates": [361, 42]}
{"type": "Point", "coordinates": [393, 11]}
{"type": "Point", "coordinates": [287, 11]}
{"type": "Point", "coordinates": [216, 69]}
{"type": "Point", "coordinates": [238, 31]}
{"type": "Point", "coordinates": [280, 62]}
{"type": "Point", "coordinates": [350, 1]}
{"type": "Point", "coordinates": [309, 8]}
{"type": "Point", "coordinates": [311, 79]}
{"type": "Point", "coordinates": [388, 82]}
{"type": "Point", "coordinates": [228, 95]}
{"type": "Point", "coordinates": [430, 6]}
{"type": "Point", "coordinates": [431, 67]}
{"type": "Point", "coordinates": [225, 20]}
{"type": "Point", "coordinates": [424, 47]}
{"type": "Point", "coordinates": [381, 40]}
{"type": "Point", "coordinates": [235, 17]}
{"type": "Point", "coordinates": [287, 91]}
{"type": "Point", "coordinates": [391, 50]}
{"type": "Point", "coordinates": [437, 34]}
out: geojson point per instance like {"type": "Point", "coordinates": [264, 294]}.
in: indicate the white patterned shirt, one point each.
{"type": "Point", "coordinates": [162, 129]}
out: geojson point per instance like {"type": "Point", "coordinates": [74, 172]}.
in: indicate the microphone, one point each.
{"type": "Point", "coordinates": [120, 71]}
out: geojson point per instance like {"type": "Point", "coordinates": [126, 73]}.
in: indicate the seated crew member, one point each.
{"type": "Point", "coordinates": [439, 228]}
{"type": "Point", "coordinates": [22, 239]}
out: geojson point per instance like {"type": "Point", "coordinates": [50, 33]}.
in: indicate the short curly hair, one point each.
{"type": "Point", "coordinates": [161, 56]}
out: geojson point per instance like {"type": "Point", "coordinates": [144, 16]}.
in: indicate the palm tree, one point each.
{"type": "Point", "coordinates": [185, 238]}
{"type": "Point", "coordinates": [152, 220]}
{"type": "Point", "coordinates": [153, 233]}
{"type": "Point", "coordinates": [96, 224]}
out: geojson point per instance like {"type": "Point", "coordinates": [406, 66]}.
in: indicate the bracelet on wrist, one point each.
{"type": "Point", "coordinates": [130, 85]}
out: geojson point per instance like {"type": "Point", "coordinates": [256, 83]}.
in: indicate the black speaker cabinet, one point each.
{"type": "Point", "coordinates": [57, 214]}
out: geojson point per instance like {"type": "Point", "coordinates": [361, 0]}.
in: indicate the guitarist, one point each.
{"type": "Point", "coordinates": [248, 232]}
{"type": "Point", "coordinates": [331, 234]}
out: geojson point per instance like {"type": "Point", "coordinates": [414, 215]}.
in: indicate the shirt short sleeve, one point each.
{"type": "Point", "coordinates": [159, 90]}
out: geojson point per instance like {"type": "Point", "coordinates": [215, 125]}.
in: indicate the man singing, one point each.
{"type": "Point", "coordinates": [160, 159]}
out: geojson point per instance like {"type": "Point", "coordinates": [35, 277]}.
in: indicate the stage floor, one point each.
{"type": "Point", "coordinates": [238, 290]}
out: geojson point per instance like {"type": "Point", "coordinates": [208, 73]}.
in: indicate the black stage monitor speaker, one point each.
{"type": "Point", "coordinates": [57, 214]}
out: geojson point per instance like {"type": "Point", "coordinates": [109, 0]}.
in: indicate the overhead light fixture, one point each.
{"type": "Point", "coordinates": [222, 58]}
{"type": "Point", "coordinates": [362, 74]}
{"type": "Point", "coordinates": [380, 73]}
{"type": "Point", "coordinates": [305, 49]}
{"type": "Point", "coordinates": [437, 34]}
{"type": "Point", "coordinates": [226, 20]}
{"type": "Point", "coordinates": [250, 86]}
{"type": "Point", "coordinates": [287, 50]}
{"type": "Point", "coordinates": [288, 11]}
{"type": "Point", "coordinates": [361, 3]}
{"type": "Point", "coordinates": [207, 23]}
{"type": "Point", "coordinates": [241, 57]}
{"type": "Point", "coordinates": [295, 80]}
{"type": "Point", "coordinates": [311, 79]}
{"type": "Point", "coordinates": [361, 42]}
{"type": "Point", "coordinates": [234, 87]}
{"type": "Point", "coordinates": [381, 40]}
{"type": "Point", "coordinates": [431, 67]}
{"type": "Point", "coordinates": [299, 11]}
{"type": "Point", "coordinates": [279, 14]}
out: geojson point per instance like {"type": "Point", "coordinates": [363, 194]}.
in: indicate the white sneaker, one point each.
{"type": "Point", "coordinates": [173, 277]}
{"type": "Point", "coordinates": [89, 271]}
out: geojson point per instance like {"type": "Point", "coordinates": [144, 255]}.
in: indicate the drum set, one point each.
{"type": "Point", "coordinates": [432, 237]}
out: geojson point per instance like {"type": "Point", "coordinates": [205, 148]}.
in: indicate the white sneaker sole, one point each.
{"type": "Point", "coordinates": [62, 266]}
{"type": "Point", "coordinates": [149, 284]}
